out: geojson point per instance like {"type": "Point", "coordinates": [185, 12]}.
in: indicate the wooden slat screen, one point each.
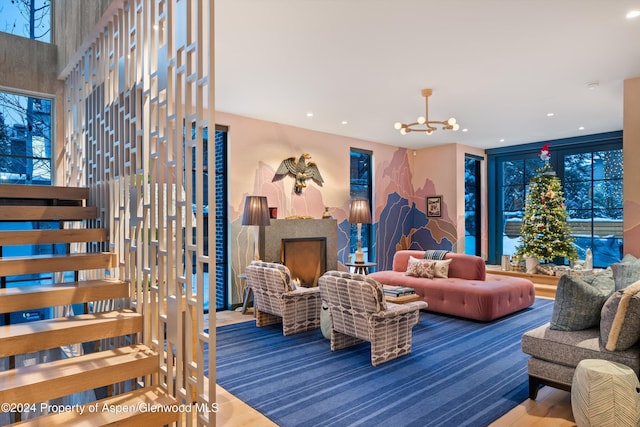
{"type": "Point", "coordinates": [138, 106]}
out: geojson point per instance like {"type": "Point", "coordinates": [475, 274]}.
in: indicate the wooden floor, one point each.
{"type": "Point", "coordinates": [552, 408]}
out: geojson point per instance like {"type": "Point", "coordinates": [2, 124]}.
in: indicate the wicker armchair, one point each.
{"type": "Point", "coordinates": [360, 313]}
{"type": "Point", "coordinates": [276, 301]}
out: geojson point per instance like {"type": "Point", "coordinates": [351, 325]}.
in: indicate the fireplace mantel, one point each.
{"type": "Point", "coordinates": [271, 237]}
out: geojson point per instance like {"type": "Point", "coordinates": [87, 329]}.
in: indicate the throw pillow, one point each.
{"type": "Point", "coordinates": [441, 269]}
{"type": "Point", "coordinates": [325, 321]}
{"type": "Point", "coordinates": [603, 279]}
{"type": "Point", "coordinates": [620, 322]}
{"type": "Point", "coordinates": [626, 271]}
{"type": "Point", "coordinates": [420, 268]}
{"type": "Point", "coordinates": [627, 258]}
{"type": "Point", "coordinates": [578, 303]}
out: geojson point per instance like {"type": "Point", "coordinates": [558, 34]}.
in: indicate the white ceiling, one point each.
{"type": "Point", "coordinates": [497, 66]}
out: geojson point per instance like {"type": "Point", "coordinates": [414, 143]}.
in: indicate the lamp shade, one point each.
{"type": "Point", "coordinates": [360, 212]}
{"type": "Point", "coordinates": [256, 211]}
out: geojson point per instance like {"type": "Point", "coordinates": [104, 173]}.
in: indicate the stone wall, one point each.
{"type": "Point", "coordinates": [271, 237]}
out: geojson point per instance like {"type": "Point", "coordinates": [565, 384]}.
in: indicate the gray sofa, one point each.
{"type": "Point", "coordinates": [594, 317]}
{"type": "Point", "coordinates": [555, 355]}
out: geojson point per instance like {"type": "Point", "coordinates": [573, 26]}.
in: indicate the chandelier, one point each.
{"type": "Point", "coordinates": [423, 124]}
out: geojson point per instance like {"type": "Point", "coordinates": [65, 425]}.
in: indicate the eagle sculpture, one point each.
{"type": "Point", "coordinates": [300, 170]}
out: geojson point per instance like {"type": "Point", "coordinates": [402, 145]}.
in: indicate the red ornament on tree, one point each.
{"type": "Point", "coordinates": [544, 153]}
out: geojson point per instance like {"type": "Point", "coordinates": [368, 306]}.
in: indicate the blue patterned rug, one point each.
{"type": "Point", "coordinates": [459, 372]}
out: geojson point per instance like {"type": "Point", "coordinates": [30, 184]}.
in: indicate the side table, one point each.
{"type": "Point", "coordinates": [403, 299]}
{"type": "Point", "coordinates": [360, 267]}
{"type": "Point", "coordinates": [603, 391]}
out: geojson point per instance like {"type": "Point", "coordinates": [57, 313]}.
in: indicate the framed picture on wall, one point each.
{"type": "Point", "coordinates": [434, 206]}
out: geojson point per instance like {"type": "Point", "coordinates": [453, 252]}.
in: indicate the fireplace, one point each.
{"type": "Point", "coordinates": [313, 231]}
{"type": "Point", "coordinates": [306, 259]}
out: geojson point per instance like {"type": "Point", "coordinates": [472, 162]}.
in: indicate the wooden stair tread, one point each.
{"type": "Point", "coordinates": [46, 381]}
{"type": "Point", "coordinates": [146, 397]}
{"type": "Point", "coordinates": [14, 266]}
{"type": "Point", "coordinates": [30, 297]}
{"type": "Point", "coordinates": [45, 334]}
{"type": "Point", "coordinates": [65, 235]}
{"type": "Point", "coordinates": [46, 213]}
{"type": "Point", "coordinates": [49, 192]}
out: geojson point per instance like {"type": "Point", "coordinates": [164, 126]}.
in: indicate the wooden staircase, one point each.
{"type": "Point", "coordinates": [122, 366]}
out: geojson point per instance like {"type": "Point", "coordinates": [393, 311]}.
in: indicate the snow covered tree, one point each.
{"type": "Point", "coordinates": [5, 146]}
{"type": "Point", "coordinates": [545, 232]}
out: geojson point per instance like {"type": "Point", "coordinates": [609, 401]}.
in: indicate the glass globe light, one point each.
{"type": "Point", "coordinates": [403, 131]}
{"type": "Point", "coordinates": [455, 126]}
{"type": "Point", "coordinates": [451, 121]}
{"type": "Point", "coordinates": [397, 125]}
{"type": "Point", "coordinates": [421, 120]}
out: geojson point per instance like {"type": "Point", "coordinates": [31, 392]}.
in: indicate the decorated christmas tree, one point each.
{"type": "Point", "coordinates": [545, 231]}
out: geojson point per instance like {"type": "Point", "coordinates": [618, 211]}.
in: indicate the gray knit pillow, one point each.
{"type": "Point", "coordinates": [620, 320]}
{"type": "Point", "coordinates": [579, 302]}
{"type": "Point", "coordinates": [626, 271]}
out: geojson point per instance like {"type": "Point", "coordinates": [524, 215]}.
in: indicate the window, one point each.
{"type": "Point", "coordinates": [27, 18]}
{"type": "Point", "coordinates": [593, 192]}
{"type": "Point", "coordinates": [25, 158]}
{"type": "Point", "coordinates": [221, 218]}
{"type": "Point", "coordinates": [25, 139]}
{"type": "Point", "coordinates": [220, 171]}
{"type": "Point", "coordinates": [472, 213]}
{"type": "Point", "coordinates": [360, 188]}
{"type": "Point", "coordinates": [590, 170]}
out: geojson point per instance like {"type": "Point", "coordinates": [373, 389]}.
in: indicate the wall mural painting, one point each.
{"type": "Point", "coordinates": [402, 219]}
{"type": "Point", "coordinates": [288, 204]}
{"type": "Point", "coordinates": [344, 232]}
{"type": "Point", "coordinates": [403, 222]}
{"type": "Point", "coordinates": [405, 226]}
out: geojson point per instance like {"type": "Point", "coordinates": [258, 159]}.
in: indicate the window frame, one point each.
{"type": "Point", "coordinates": [477, 212]}
{"type": "Point", "coordinates": [367, 230]}
{"type": "Point", "coordinates": [52, 133]}
{"type": "Point", "coordinates": [559, 149]}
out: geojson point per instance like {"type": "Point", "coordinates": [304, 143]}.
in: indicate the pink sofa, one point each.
{"type": "Point", "coordinates": [468, 292]}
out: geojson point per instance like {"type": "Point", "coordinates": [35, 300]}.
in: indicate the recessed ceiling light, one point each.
{"type": "Point", "coordinates": [501, 139]}
{"type": "Point", "coordinates": [344, 122]}
{"type": "Point", "coordinates": [309, 114]}
{"type": "Point", "coordinates": [633, 14]}
{"type": "Point", "coordinates": [465, 130]}
{"type": "Point", "coordinates": [550, 114]}
{"type": "Point", "coordinates": [581, 128]}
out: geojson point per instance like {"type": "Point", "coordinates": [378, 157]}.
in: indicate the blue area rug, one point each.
{"type": "Point", "coordinates": [459, 372]}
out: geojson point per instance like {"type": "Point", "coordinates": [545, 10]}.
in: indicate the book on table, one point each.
{"type": "Point", "coordinates": [397, 291]}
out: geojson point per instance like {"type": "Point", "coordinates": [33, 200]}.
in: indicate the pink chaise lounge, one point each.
{"type": "Point", "coordinates": [468, 291]}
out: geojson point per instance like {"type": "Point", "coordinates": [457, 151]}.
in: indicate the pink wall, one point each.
{"type": "Point", "coordinates": [631, 147]}
{"type": "Point", "coordinates": [440, 171]}
{"type": "Point", "coordinates": [256, 149]}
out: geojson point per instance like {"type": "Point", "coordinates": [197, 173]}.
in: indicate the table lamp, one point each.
{"type": "Point", "coordinates": [256, 212]}
{"type": "Point", "coordinates": [360, 214]}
